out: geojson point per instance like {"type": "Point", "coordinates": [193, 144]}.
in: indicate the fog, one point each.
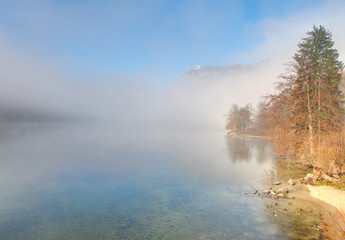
{"type": "Point", "coordinates": [198, 101]}
{"type": "Point", "coordinates": [36, 83]}
{"type": "Point", "coordinates": [141, 110]}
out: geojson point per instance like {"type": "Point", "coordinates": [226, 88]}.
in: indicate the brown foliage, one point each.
{"type": "Point", "coordinates": [283, 122]}
{"type": "Point", "coordinates": [331, 150]}
{"type": "Point", "coordinates": [307, 107]}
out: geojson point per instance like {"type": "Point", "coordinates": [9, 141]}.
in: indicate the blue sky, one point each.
{"type": "Point", "coordinates": [131, 37]}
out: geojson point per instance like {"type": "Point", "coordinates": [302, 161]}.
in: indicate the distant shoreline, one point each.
{"type": "Point", "coordinates": [246, 135]}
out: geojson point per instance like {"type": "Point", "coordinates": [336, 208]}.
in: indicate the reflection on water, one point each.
{"type": "Point", "coordinates": [245, 148]}
{"type": "Point", "coordinates": [84, 181]}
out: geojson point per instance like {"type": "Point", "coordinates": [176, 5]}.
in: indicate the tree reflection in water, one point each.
{"type": "Point", "coordinates": [245, 148]}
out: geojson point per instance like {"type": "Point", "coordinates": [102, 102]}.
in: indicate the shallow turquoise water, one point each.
{"type": "Point", "coordinates": [92, 182]}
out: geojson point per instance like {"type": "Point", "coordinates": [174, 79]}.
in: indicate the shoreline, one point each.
{"type": "Point", "coordinates": [329, 195]}
{"type": "Point", "coordinates": [247, 135]}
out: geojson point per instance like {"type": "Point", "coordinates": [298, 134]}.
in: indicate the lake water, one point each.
{"type": "Point", "coordinates": [89, 181]}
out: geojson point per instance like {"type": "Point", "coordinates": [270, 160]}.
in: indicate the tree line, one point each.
{"type": "Point", "coordinates": [305, 116]}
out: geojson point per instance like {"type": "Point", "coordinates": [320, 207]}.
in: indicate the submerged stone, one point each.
{"type": "Point", "coordinates": [281, 195]}
{"type": "Point", "coordinates": [283, 190]}
{"type": "Point", "coordinates": [266, 192]}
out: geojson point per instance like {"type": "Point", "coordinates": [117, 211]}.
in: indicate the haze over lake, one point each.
{"type": "Point", "coordinates": [95, 181]}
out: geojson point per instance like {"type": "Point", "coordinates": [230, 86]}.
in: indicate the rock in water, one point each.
{"type": "Point", "coordinates": [292, 182]}
{"type": "Point", "coordinates": [266, 192]}
{"type": "Point", "coordinates": [283, 190]}
{"type": "Point", "coordinates": [280, 195]}
{"type": "Point", "coordinates": [255, 191]}
{"type": "Point", "coordinates": [246, 192]}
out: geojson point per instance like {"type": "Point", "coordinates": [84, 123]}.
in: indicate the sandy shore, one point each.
{"type": "Point", "coordinates": [330, 195]}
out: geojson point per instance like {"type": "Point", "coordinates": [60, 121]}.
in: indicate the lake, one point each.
{"type": "Point", "coordinates": [97, 181]}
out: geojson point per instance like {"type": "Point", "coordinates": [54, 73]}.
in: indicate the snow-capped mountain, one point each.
{"type": "Point", "coordinates": [209, 70]}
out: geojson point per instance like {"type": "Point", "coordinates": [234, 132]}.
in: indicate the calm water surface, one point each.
{"type": "Point", "coordinates": [86, 181]}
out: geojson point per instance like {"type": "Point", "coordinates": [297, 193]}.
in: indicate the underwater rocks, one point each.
{"type": "Point", "coordinates": [266, 192]}
{"type": "Point", "coordinates": [275, 193]}
{"type": "Point", "coordinates": [283, 191]}
{"type": "Point", "coordinates": [279, 193]}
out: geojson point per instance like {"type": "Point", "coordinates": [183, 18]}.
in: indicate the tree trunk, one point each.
{"type": "Point", "coordinates": [310, 124]}
{"type": "Point", "coordinates": [319, 111]}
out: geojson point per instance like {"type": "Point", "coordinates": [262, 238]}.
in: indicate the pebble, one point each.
{"type": "Point", "coordinates": [280, 195]}
{"type": "Point", "coordinates": [258, 194]}
{"type": "Point", "coordinates": [283, 190]}
{"type": "Point", "coordinates": [277, 183]}
{"type": "Point", "coordinates": [245, 192]}
{"type": "Point", "coordinates": [292, 182]}
{"type": "Point", "coordinates": [255, 191]}
{"type": "Point", "coordinates": [266, 192]}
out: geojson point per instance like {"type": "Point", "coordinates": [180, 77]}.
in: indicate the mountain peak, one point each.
{"type": "Point", "coordinates": [199, 70]}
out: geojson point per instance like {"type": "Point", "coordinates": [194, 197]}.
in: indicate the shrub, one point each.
{"type": "Point", "coordinates": [331, 148]}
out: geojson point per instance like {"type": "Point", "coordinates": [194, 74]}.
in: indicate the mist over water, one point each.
{"type": "Point", "coordinates": [37, 150]}
{"type": "Point", "coordinates": [86, 180]}
{"type": "Point", "coordinates": [124, 158]}
{"type": "Point", "coordinates": [34, 89]}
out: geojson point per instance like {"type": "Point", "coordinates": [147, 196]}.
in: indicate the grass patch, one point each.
{"type": "Point", "coordinates": [342, 177]}
{"type": "Point", "coordinates": [340, 186]}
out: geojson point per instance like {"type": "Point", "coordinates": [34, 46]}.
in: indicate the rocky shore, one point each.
{"type": "Point", "coordinates": [328, 194]}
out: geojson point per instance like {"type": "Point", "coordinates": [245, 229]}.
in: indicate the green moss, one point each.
{"type": "Point", "coordinates": [342, 177]}
{"type": "Point", "coordinates": [340, 186]}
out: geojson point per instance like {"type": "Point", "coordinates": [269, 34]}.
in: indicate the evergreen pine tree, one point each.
{"type": "Point", "coordinates": [309, 102]}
